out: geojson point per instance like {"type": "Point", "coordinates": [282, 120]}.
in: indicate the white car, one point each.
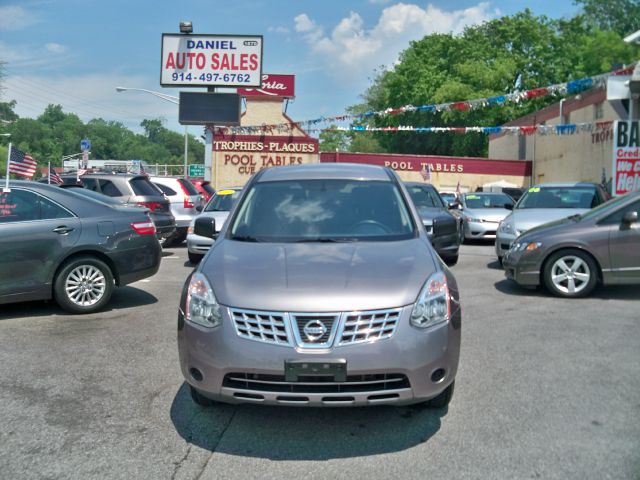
{"type": "Point", "coordinates": [218, 209]}
{"type": "Point", "coordinates": [184, 200]}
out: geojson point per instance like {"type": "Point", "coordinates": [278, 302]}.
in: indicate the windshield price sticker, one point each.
{"type": "Point", "coordinates": [225, 192]}
{"type": "Point", "coordinates": [534, 189]}
{"type": "Point", "coordinates": [211, 60]}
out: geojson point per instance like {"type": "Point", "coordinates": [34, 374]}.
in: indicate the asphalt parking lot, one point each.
{"type": "Point", "coordinates": [547, 388]}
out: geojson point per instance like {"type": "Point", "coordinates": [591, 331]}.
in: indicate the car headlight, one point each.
{"type": "Point", "coordinates": [525, 246]}
{"type": "Point", "coordinates": [506, 227]}
{"type": "Point", "coordinates": [471, 219]}
{"type": "Point", "coordinates": [190, 230]}
{"type": "Point", "coordinates": [202, 307]}
{"type": "Point", "coordinates": [434, 303]}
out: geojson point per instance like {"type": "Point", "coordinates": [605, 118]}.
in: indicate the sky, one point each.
{"type": "Point", "coordinates": [76, 52]}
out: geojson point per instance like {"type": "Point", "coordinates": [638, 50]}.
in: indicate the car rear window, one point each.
{"type": "Point", "coordinates": [188, 187]}
{"type": "Point", "coordinates": [559, 197]}
{"type": "Point", "coordinates": [329, 210]}
{"type": "Point", "coordinates": [143, 186]}
{"type": "Point", "coordinates": [208, 188]}
{"type": "Point", "coordinates": [166, 190]}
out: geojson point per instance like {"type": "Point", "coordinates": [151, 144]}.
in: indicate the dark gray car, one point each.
{"type": "Point", "coordinates": [570, 256]}
{"type": "Point", "coordinates": [444, 229]}
{"type": "Point", "coordinates": [61, 244]}
{"type": "Point", "coordinates": [322, 289]}
{"type": "Point", "coordinates": [136, 189]}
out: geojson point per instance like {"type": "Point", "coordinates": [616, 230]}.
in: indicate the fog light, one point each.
{"type": "Point", "coordinates": [438, 375]}
{"type": "Point", "coordinates": [196, 374]}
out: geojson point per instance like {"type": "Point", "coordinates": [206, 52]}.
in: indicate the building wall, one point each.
{"type": "Point", "coordinates": [562, 158]}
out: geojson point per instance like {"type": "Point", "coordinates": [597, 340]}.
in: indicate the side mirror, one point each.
{"type": "Point", "coordinates": [205, 227]}
{"type": "Point", "coordinates": [455, 206]}
{"type": "Point", "coordinates": [508, 206]}
{"type": "Point", "coordinates": [199, 208]}
{"type": "Point", "coordinates": [629, 218]}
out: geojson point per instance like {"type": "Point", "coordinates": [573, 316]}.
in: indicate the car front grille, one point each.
{"type": "Point", "coordinates": [316, 383]}
{"type": "Point", "coordinates": [315, 330]}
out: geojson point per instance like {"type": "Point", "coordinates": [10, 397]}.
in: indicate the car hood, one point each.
{"type": "Point", "coordinates": [312, 277]}
{"type": "Point", "coordinates": [430, 214]}
{"type": "Point", "coordinates": [220, 218]}
{"type": "Point", "coordinates": [528, 218]}
{"type": "Point", "coordinates": [487, 214]}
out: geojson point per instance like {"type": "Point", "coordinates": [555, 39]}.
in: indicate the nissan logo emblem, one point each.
{"type": "Point", "coordinates": [314, 330]}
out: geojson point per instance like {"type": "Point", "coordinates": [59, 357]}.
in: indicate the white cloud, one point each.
{"type": "Point", "coordinates": [353, 49]}
{"type": "Point", "coordinates": [279, 29]}
{"type": "Point", "coordinates": [55, 48]}
{"type": "Point", "coordinates": [15, 18]}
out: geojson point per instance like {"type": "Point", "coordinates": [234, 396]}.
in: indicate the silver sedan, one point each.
{"type": "Point", "coordinates": [482, 212]}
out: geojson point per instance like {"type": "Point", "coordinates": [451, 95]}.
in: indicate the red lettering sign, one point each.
{"type": "Point", "coordinates": [272, 86]}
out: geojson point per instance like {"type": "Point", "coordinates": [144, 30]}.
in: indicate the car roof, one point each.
{"type": "Point", "coordinates": [318, 171]}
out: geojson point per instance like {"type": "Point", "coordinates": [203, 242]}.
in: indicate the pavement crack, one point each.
{"type": "Point", "coordinates": [215, 447]}
{"type": "Point", "coordinates": [180, 462]}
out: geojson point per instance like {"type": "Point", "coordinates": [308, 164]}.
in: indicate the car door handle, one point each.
{"type": "Point", "coordinates": [62, 230]}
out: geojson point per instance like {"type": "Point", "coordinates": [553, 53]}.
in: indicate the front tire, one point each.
{"type": "Point", "coordinates": [570, 274]}
{"type": "Point", "coordinates": [83, 285]}
{"type": "Point", "coordinates": [451, 261]}
{"type": "Point", "coordinates": [194, 258]}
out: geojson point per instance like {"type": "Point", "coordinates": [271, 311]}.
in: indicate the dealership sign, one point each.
{"type": "Point", "coordinates": [272, 86]}
{"type": "Point", "coordinates": [211, 60]}
{"type": "Point", "coordinates": [626, 158]}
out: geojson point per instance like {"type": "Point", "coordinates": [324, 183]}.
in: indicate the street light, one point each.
{"type": "Point", "coordinates": [172, 99]}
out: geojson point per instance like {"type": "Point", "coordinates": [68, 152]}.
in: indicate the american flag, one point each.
{"type": "Point", "coordinates": [21, 163]}
{"type": "Point", "coordinates": [54, 177]}
{"type": "Point", "coordinates": [426, 173]}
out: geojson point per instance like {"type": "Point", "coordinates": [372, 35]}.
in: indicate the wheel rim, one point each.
{"type": "Point", "coordinates": [85, 285]}
{"type": "Point", "coordinates": [570, 274]}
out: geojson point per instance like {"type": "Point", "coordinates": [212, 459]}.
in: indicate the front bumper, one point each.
{"type": "Point", "coordinates": [504, 242]}
{"type": "Point", "coordinates": [521, 267]}
{"type": "Point", "coordinates": [225, 367]}
{"type": "Point", "coordinates": [198, 245]}
{"type": "Point", "coordinates": [480, 230]}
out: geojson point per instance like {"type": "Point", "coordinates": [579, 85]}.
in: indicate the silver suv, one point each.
{"type": "Point", "coordinates": [322, 289]}
{"type": "Point", "coordinates": [183, 201]}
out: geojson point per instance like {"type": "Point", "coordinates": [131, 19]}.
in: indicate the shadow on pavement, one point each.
{"type": "Point", "coordinates": [287, 433]}
{"type": "Point", "coordinates": [612, 292]}
{"type": "Point", "coordinates": [122, 298]}
{"type": "Point", "coordinates": [495, 265]}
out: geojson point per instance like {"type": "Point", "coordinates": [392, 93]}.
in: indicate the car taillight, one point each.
{"type": "Point", "coordinates": [144, 228]}
{"type": "Point", "coordinates": [153, 206]}
{"type": "Point", "coordinates": [187, 201]}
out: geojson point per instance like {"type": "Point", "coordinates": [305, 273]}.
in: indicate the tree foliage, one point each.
{"type": "Point", "coordinates": [618, 16]}
{"type": "Point", "coordinates": [484, 61]}
{"type": "Point", "coordinates": [55, 134]}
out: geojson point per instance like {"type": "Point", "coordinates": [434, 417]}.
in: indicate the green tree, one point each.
{"type": "Point", "coordinates": [333, 140]}
{"type": "Point", "coordinates": [619, 16]}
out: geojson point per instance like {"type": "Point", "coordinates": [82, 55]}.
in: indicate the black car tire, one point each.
{"type": "Point", "coordinates": [195, 257]}
{"type": "Point", "coordinates": [571, 255]}
{"type": "Point", "coordinates": [451, 260]}
{"type": "Point", "coordinates": [200, 399]}
{"type": "Point", "coordinates": [443, 399]}
{"type": "Point", "coordinates": [461, 233]}
{"type": "Point", "coordinates": [169, 241]}
{"type": "Point", "coordinates": [180, 237]}
{"type": "Point", "coordinates": [76, 270]}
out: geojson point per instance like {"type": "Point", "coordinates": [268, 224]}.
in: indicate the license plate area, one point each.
{"type": "Point", "coordinates": [335, 370]}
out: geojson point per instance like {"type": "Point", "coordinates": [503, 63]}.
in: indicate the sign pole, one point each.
{"type": "Point", "coordinates": [6, 188]}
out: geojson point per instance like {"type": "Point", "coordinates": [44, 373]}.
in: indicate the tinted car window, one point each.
{"type": "Point", "coordinates": [90, 183]}
{"type": "Point", "coordinates": [479, 200]}
{"type": "Point", "coordinates": [188, 187]}
{"type": "Point", "coordinates": [166, 190]}
{"type": "Point", "coordinates": [108, 188]}
{"type": "Point", "coordinates": [84, 192]}
{"type": "Point", "coordinates": [559, 197]}
{"type": "Point", "coordinates": [208, 188]}
{"type": "Point", "coordinates": [329, 210]}
{"type": "Point", "coordinates": [616, 217]}
{"type": "Point", "coordinates": [425, 197]}
{"type": "Point", "coordinates": [222, 202]}
{"type": "Point", "coordinates": [143, 186]}
{"type": "Point", "coordinates": [21, 205]}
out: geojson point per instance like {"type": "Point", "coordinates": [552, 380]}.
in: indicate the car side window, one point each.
{"type": "Point", "coordinates": [166, 190]}
{"type": "Point", "coordinates": [90, 183]}
{"type": "Point", "coordinates": [108, 188]}
{"type": "Point", "coordinates": [50, 210]}
{"type": "Point", "coordinates": [616, 217]}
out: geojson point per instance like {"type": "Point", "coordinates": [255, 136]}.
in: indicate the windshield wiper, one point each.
{"type": "Point", "coordinates": [245, 238]}
{"type": "Point", "coordinates": [577, 216]}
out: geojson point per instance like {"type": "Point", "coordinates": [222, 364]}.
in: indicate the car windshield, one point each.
{"type": "Point", "coordinates": [559, 197]}
{"type": "Point", "coordinates": [222, 201]}
{"type": "Point", "coordinates": [604, 209]}
{"type": "Point", "coordinates": [323, 211]}
{"type": "Point", "coordinates": [484, 200]}
{"type": "Point", "coordinates": [425, 197]}
{"type": "Point", "coordinates": [448, 197]}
